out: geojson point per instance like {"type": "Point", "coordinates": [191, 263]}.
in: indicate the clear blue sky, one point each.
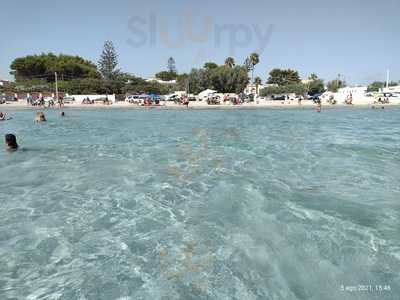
{"type": "Point", "coordinates": [356, 38]}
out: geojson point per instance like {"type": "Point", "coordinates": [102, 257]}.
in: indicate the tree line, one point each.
{"type": "Point", "coordinates": [76, 75]}
{"type": "Point", "coordinates": [226, 78]}
{"type": "Point", "coordinates": [377, 85]}
{"type": "Point", "coordinates": [284, 81]}
{"type": "Point", "coordinates": [36, 73]}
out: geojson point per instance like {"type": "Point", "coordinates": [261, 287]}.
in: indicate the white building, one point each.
{"type": "Point", "coordinates": [391, 89]}
{"type": "Point", "coordinates": [254, 89]}
{"type": "Point", "coordinates": [356, 92]}
{"type": "Point", "coordinates": [4, 82]}
{"type": "Point", "coordinates": [154, 79]}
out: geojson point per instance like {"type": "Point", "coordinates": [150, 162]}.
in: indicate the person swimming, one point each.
{"type": "Point", "coordinates": [11, 142]}
{"type": "Point", "coordinates": [2, 116]}
{"type": "Point", "coordinates": [40, 117]}
{"type": "Point", "coordinates": [62, 114]}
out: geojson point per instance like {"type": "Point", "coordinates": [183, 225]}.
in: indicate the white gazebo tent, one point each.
{"type": "Point", "coordinates": [205, 94]}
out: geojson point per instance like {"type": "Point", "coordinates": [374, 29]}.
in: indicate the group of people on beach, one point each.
{"type": "Point", "coordinates": [42, 102]}
{"type": "Point", "coordinates": [11, 139]}
{"type": "Point", "coordinates": [30, 100]}
{"type": "Point", "coordinates": [105, 101]}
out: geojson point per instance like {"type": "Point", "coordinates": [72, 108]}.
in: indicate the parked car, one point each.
{"type": "Point", "coordinates": [279, 97]}
{"type": "Point", "coordinates": [173, 98]}
{"type": "Point", "coordinates": [314, 97]}
{"type": "Point", "coordinates": [155, 99]}
{"type": "Point", "coordinates": [145, 99]}
{"type": "Point", "coordinates": [134, 99]}
{"type": "Point", "coordinates": [4, 98]}
{"type": "Point", "coordinates": [394, 95]}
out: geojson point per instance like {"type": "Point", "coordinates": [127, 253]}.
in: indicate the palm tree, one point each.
{"type": "Point", "coordinates": [258, 82]}
{"type": "Point", "coordinates": [247, 64]}
{"type": "Point", "coordinates": [230, 62]}
{"type": "Point", "coordinates": [254, 59]}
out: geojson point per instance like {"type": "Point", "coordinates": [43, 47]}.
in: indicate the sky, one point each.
{"type": "Point", "coordinates": [358, 39]}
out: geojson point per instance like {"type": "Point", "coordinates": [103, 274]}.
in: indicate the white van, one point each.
{"type": "Point", "coordinates": [134, 99]}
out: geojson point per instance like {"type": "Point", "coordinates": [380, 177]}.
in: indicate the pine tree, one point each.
{"type": "Point", "coordinates": [108, 61]}
{"type": "Point", "coordinates": [171, 65]}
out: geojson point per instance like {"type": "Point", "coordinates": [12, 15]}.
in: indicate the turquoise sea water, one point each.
{"type": "Point", "coordinates": [235, 204]}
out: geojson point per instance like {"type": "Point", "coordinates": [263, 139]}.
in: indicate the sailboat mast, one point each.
{"type": "Point", "coordinates": [387, 78]}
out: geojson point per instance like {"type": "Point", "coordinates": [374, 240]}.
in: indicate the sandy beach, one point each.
{"type": "Point", "coordinates": [203, 105]}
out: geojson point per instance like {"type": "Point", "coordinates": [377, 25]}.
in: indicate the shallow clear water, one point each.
{"type": "Point", "coordinates": [240, 204]}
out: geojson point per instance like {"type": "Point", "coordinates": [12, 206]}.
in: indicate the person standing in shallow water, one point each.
{"type": "Point", "coordinates": [319, 106]}
{"type": "Point", "coordinates": [11, 142]}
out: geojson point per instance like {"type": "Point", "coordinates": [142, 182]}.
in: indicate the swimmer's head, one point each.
{"type": "Point", "coordinates": [40, 117]}
{"type": "Point", "coordinates": [62, 114]}
{"type": "Point", "coordinates": [11, 141]}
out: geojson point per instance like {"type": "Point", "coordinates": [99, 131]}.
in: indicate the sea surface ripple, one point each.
{"type": "Point", "coordinates": [171, 204]}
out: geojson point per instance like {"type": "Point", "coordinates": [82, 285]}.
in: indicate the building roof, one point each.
{"type": "Point", "coordinates": [3, 82]}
